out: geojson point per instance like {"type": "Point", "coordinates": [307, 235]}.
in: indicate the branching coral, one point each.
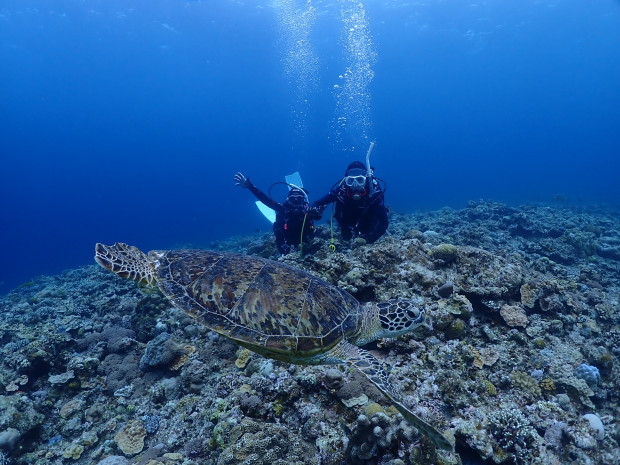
{"type": "Point", "coordinates": [514, 434]}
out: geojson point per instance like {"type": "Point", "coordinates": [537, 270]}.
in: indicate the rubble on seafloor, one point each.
{"type": "Point", "coordinates": [519, 361]}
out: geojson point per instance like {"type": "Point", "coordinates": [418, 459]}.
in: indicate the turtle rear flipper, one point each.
{"type": "Point", "coordinates": [365, 362]}
{"type": "Point", "coordinates": [126, 261]}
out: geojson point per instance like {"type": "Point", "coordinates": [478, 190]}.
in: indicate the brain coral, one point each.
{"type": "Point", "coordinates": [445, 252]}
{"type": "Point", "coordinates": [131, 438]}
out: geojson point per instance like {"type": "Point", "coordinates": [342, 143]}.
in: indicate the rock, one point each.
{"type": "Point", "coordinates": [352, 393]}
{"type": "Point", "coordinates": [8, 439]}
{"type": "Point", "coordinates": [514, 315]}
{"type": "Point", "coordinates": [445, 290]}
{"type": "Point", "coordinates": [456, 329]}
{"type": "Point", "coordinates": [596, 424]}
{"type": "Point", "coordinates": [18, 413]}
{"type": "Point", "coordinates": [608, 252]}
{"type": "Point", "coordinates": [114, 460]}
{"type": "Point", "coordinates": [62, 378]}
{"type": "Point", "coordinates": [243, 358]}
{"type": "Point", "coordinates": [554, 434]}
{"type": "Point", "coordinates": [489, 355]}
{"type": "Point", "coordinates": [529, 294]}
{"type": "Point", "coordinates": [72, 407]}
{"type": "Point", "coordinates": [333, 379]}
{"type": "Point", "coordinates": [131, 438]}
{"type": "Point", "coordinates": [160, 352]}
{"type": "Point", "coordinates": [74, 451]}
{"type": "Point", "coordinates": [362, 399]}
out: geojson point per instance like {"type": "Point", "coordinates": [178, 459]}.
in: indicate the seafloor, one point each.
{"type": "Point", "coordinates": [524, 342]}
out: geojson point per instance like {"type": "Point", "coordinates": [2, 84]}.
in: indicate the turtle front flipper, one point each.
{"type": "Point", "coordinates": [127, 261]}
{"type": "Point", "coordinates": [365, 362]}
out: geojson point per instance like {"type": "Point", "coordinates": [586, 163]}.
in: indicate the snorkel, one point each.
{"type": "Point", "coordinates": [368, 169]}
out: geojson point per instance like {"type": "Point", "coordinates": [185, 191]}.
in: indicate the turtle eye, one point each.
{"type": "Point", "coordinates": [416, 317]}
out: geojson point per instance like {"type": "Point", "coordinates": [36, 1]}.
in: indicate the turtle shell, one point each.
{"type": "Point", "coordinates": [269, 307]}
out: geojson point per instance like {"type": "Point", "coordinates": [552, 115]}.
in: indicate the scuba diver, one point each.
{"type": "Point", "coordinates": [360, 209]}
{"type": "Point", "coordinates": [294, 222]}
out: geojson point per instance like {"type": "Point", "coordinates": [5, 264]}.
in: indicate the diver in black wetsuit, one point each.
{"type": "Point", "coordinates": [360, 209]}
{"type": "Point", "coordinates": [292, 217]}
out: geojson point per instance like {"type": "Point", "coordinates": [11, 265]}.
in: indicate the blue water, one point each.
{"type": "Point", "coordinates": [126, 120]}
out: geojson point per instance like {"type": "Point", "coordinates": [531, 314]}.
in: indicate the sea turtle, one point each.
{"type": "Point", "coordinates": [273, 309]}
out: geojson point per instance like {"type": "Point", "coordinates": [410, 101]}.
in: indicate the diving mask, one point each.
{"type": "Point", "coordinates": [355, 182]}
{"type": "Point", "coordinates": [297, 198]}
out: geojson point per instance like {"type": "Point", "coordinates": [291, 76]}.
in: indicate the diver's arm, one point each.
{"type": "Point", "coordinates": [380, 224]}
{"type": "Point", "coordinates": [325, 200]}
{"type": "Point", "coordinates": [264, 198]}
{"type": "Point", "coordinates": [318, 206]}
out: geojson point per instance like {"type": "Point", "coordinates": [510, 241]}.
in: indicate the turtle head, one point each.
{"type": "Point", "coordinates": [126, 261]}
{"type": "Point", "coordinates": [390, 319]}
{"type": "Point", "coordinates": [399, 316]}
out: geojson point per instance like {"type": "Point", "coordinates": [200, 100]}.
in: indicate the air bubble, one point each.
{"type": "Point", "coordinates": [353, 96]}
{"type": "Point", "coordinates": [301, 64]}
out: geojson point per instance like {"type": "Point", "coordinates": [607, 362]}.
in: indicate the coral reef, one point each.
{"type": "Point", "coordinates": [526, 383]}
{"type": "Point", "coordinates": [379, 437]}
{"type": "Point", "coordinates": [130, 439]}
{"type": "Point", "coordinates": [590, 374]}
{"type": "Point", "coordinates": [519, 359]}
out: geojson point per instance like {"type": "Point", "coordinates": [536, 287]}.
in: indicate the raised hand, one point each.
{"type": "Point", "coordinates": [241, 180]}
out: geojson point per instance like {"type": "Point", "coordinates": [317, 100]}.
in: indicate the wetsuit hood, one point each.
{"type": "Point", "coordinates": [356, 168]}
